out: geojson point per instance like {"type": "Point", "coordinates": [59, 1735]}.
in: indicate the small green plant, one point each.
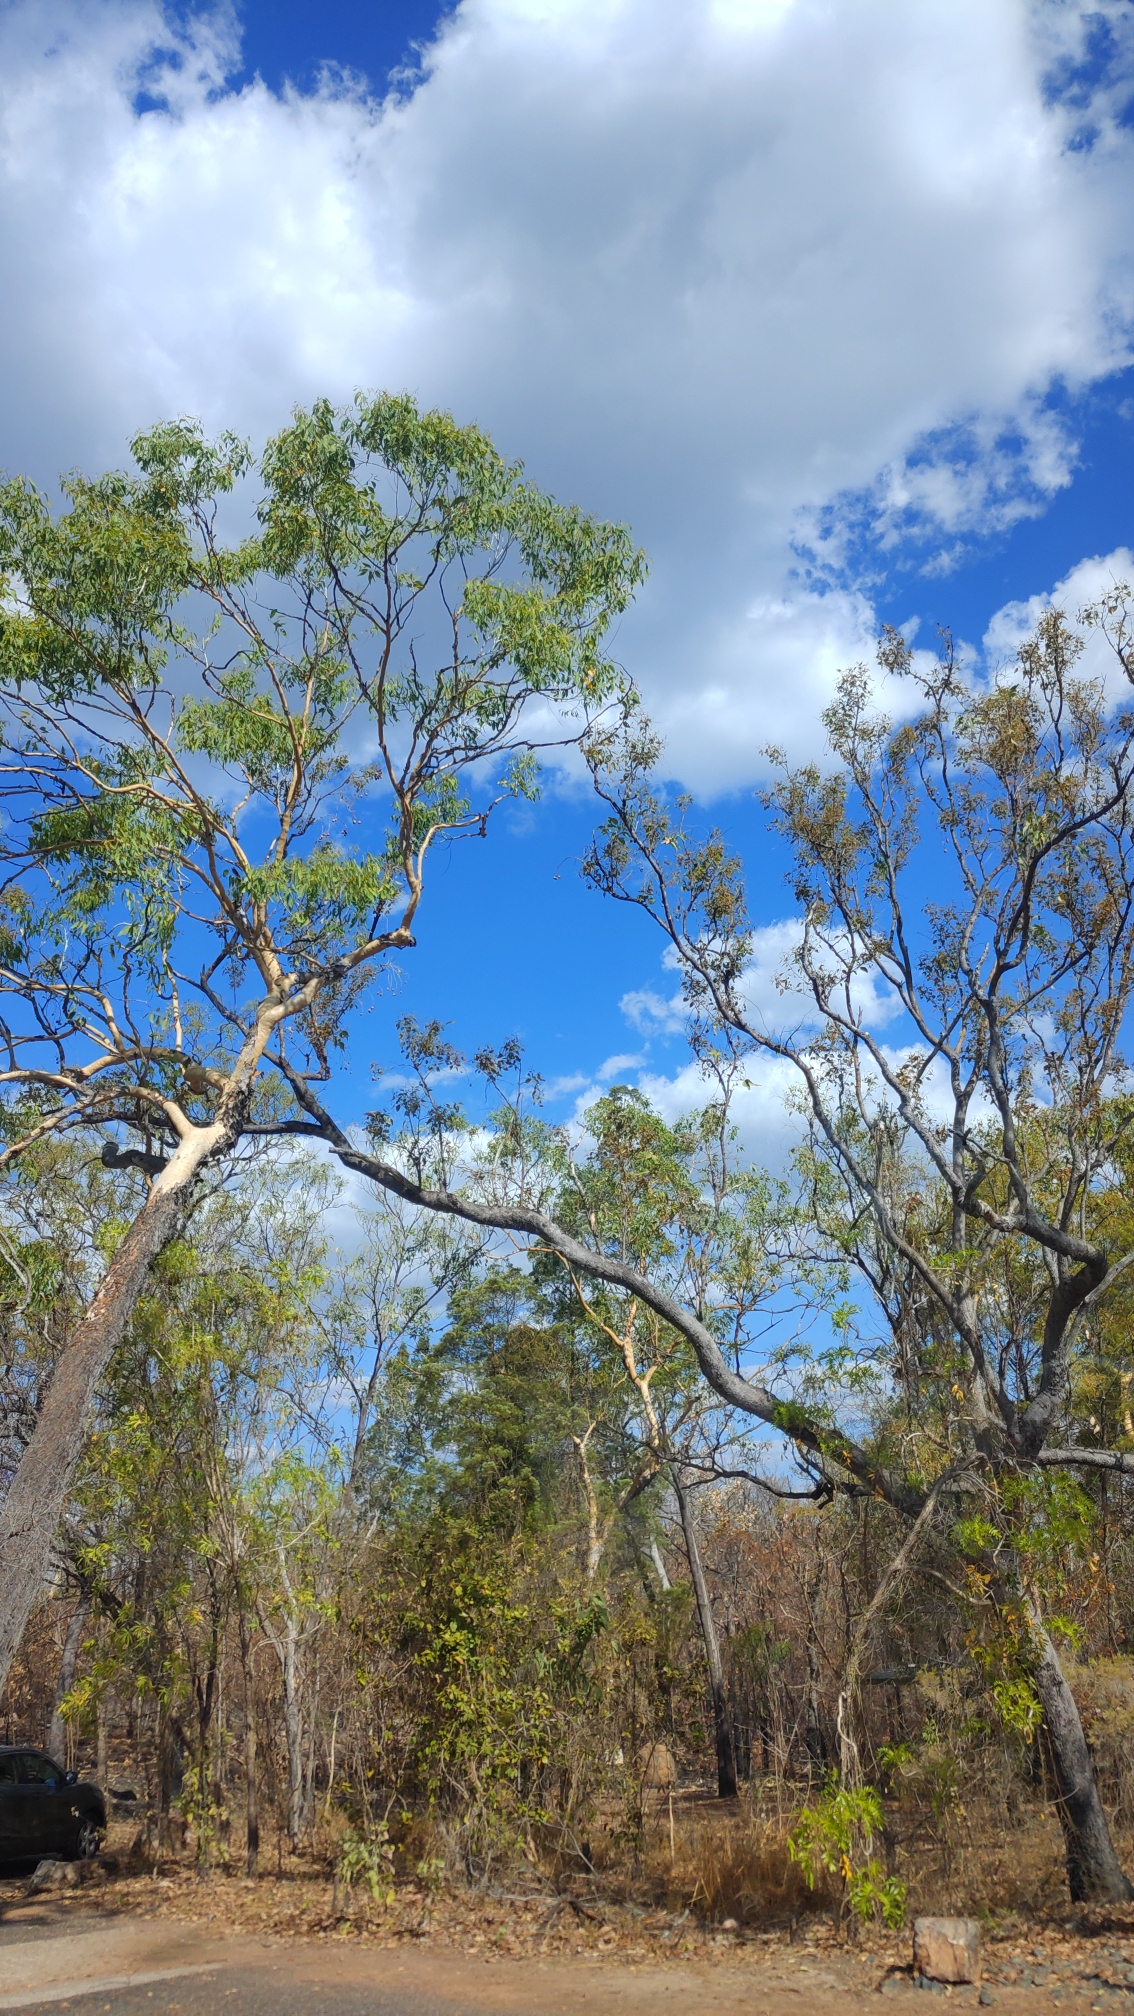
{"type": "Point", "coordinates": [430, 1872]}
{"type": "Point", "coordinates": [1020, 1707]}
{"type": "Point", "coordinates": [929, 1771]}
{"type": "Point", "coordinates": [896, 1759]}
{"type": "Point", "coordinates": [369, 1860]}
{"type": "Point", "coordinates": [837, 1835]}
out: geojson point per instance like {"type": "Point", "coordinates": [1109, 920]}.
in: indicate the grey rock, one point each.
{"type": "Point", "coordinates": [52, 1875]}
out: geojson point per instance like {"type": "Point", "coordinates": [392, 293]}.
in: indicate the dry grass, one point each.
{"type": "Point", "coordinates": [721, 1861]}
{"type": "Point", "coordinates": [731, 1860]}
{"type": "Point", "coordinates": [697, 1867]}
{"type": "Point", "coordinates": [724, 1863]}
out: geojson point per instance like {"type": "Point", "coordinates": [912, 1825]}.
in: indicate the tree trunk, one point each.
{"type": "Point", "coordinates": [205, 1695]}
{"type": "Point", "coordinates": [57, 1735]}
{"type": "Point", "coordinates": [102, 1740]}
{"type": "Point", "coordinates": [596, 1534]}
{"type": "Point", "coordinates": [722, 1709]}
{"type": "Point", "coordinates": [293, 1729]}
{"type": "Point", "coordinates": [158, 1825]}
{"type": "Point", "coordinates": [251, 1786]}
{"type": "Point", "coordinates": [813, 1734]}
{"type": "Point", "coordinates": [31, 1512]}
{"type": "Point", "coordinates": [1094, 1873]}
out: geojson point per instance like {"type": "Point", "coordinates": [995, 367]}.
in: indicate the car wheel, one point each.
{"type": "Point", "coordinates": [88, 1841]}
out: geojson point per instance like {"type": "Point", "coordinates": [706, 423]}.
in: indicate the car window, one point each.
{"type": "Point", "coordinates": [9, 1775]}
{"type": "Point", "coordinates": [40, 1770]}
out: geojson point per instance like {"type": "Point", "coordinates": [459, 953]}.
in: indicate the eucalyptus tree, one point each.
{"type": "Point", "coordinates": [56, 1217]}
{"type": "Point", "coordinates": [954, 1016]}
{"type": "Point", "coordinates": [965, 884]}
{"type": "Point", "coordinates": [226, 762]}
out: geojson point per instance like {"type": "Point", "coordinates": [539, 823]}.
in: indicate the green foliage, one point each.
{"type": "Point", "coordinates": [836, 1836]}
{"type": "Point", "coordinates": [267, 787]}
{"type": "Point", "coordinates": [504, 1678]}
{"type": "Point", "coordinates": [368, 1859]}
{"type": "Point", "coordinates": [930, 1769]}
{"type": "Point", "coordinates": [1019, 1706]}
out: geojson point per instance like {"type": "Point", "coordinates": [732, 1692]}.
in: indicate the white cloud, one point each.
{"type": "Point", "coordinates": [707, 264]}
{"type": "Point", "coordinates": [1088, 582]}
{"type": "Point", "coordinates": [774, 995]}
{"type": "Point", "coordinates": [617, 1066]}
{"type": "Point", "coordinates": [590, 1085]}
{"type": "Point", "coordinates": [768, 1108]}
{"type": "Point", "coordinates": [647, 1011]}
{"type": "Point", "coordinates": [765, 1109]}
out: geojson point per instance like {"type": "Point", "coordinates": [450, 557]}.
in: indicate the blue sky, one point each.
{"type": "Point", "coordinates": [290, 41]}
{"type": "Point", "coordinates": [832, 300]}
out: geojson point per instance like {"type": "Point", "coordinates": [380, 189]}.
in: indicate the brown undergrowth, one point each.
{"type": "Point", "coordinates": [701, 1879]}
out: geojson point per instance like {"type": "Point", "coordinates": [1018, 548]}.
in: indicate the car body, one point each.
{"type": "Point", "coordinates": [45, 1810]}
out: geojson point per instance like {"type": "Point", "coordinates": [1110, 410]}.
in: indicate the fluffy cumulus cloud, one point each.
{"type": "Point", "coordinates": [766, 1107]}
{"type": "Point", "coordinates": [1087, 586]}
{"type": "Point", "coordinates": [712, 266]}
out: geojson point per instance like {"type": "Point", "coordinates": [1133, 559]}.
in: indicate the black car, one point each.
{"type": "Point", "coordinates": [45, 1810]}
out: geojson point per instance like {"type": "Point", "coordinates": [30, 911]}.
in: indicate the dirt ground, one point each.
{"type": "Point", "coordinates": [531, 1947]}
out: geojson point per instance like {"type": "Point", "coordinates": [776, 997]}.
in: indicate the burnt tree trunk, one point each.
{"type": "Point", "coordinates": [1094, 1873]}
{"type": "Point", "coordinates": [251, 1782]}
{"type": "Point", "coordinates": [102, 1743]}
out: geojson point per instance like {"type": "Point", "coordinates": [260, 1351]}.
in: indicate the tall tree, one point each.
{"type": "Point", "coordinates": [197, 732]}
{"type": "Point", "coordinates": [970, 871]}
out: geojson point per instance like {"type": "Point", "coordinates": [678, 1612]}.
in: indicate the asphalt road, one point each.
{"type": "Point", "coordinates": [251, 1991]}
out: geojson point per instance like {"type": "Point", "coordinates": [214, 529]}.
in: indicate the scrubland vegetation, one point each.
{"type": "Point", "coordinates": [440, 1496]}
{"type": "Point", "coordinates": [329, 1594]}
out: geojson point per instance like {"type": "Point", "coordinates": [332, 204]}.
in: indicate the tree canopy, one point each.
{"type": "Point", "coordinates": [227, 760]}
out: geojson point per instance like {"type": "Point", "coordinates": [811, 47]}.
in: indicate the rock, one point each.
{"type": "Point", "coordinates": [947, 1949]}
{"type": "Point", "coordinates": [52, 1875]}
{"type": "Point", "coordinates": [986, 1998]}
